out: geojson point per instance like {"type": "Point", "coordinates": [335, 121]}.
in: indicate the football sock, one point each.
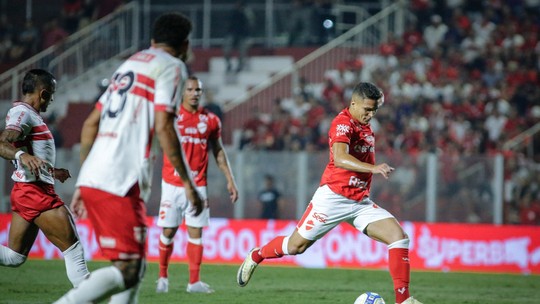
{"type": "Point", "coordinates": [10, 258]}
{"type": "Point", "coordinates": [272, 250]}
{"type": "Point", "coordinates": [75, 264]}
{"type": "Point", "coordinates": [101, 284]}
{"type": "Point", "coordinates": [126, 296]}
{"type": "Point", "coordinates": [195, 254]}
{"type": "Point", "coordinates": [400, 268]}
{"type": "Point", "coordinates": [166, 246]}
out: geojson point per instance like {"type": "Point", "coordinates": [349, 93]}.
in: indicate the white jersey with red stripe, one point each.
{"type": "Point", "coordinates": [35, 139]}
{"type": "Point", "coordinates": [195, 130]}
{"type": "Point", "coordinates": [125, 147]}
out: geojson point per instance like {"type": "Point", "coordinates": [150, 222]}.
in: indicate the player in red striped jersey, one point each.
{"type": "Point", "coordinates": [28, 142]}
{"type": "Point", "coordinates": [343, 196]}
{"type": "Point", "coordinates": [199, 131]}
{"type": "Point", "coordinates": [118, 148]}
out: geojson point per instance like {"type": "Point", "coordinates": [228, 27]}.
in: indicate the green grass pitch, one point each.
{"type": "Point", "coordinates": [39, 281]}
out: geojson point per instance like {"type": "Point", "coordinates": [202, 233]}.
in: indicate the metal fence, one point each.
{"type": "Point", "coordinates": [431, 188]}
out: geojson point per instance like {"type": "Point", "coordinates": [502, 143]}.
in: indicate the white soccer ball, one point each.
{"type": "Point", "coordinates": [369, 298]}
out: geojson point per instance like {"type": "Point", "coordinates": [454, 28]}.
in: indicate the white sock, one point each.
{"type": "Point", "coordinates": [284, 245]}
{"type": "Point", "coordinates": [194, 241]}
{"type": "Point", "coordinates": [404, 243]}
{"type": "Point", "coordinates": [75, 264]}
{"type": "Point", "coordinates": [127, 296]}
{"type": "Point", "coordinates": [165, 240]}
{"type": "Point", "coordinates": [101, 284]}
{"type": "Point", "coordinates": [10, 258]}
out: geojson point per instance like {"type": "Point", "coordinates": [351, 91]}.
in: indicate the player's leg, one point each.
{"type": "Point", "coordinates": [380, 225]}
{"type": "Point", "coordinates": [22, 235]}
{"type": "Point", "coordinates": [129, 295]}
{"type": "Point", "coordinates": [123, 243]}
{"type": "Point", "coordinates": [170, 217]}
{"type": "Point", "coordinates": [194, 248]}
{"type": "Point", "coordinates": [58, 226]}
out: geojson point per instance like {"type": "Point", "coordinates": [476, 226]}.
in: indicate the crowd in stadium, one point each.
{"type": "Point", "coordinates": [461, 81]}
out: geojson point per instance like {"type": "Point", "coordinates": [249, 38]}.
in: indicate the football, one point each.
{"type": "Point", "coordinates": [369, 298]}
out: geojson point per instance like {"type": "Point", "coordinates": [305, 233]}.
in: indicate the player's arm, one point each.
{"type": "Point", "coordinates": [344, 160]}
{"type": "Point", "coordinates": [89, 132]}
{"type": "Point", "coordinates": [223, 164]}
{"type": "Point", "coordinates": [168, 139]}
{"type": "Point", "coordinates": [9, 152]}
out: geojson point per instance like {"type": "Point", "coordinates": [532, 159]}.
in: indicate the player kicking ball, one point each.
{"type": "Point", "coordinates": [343, 196]}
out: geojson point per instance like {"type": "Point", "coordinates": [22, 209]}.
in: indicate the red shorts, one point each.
{"type": "Point", "coordinates": [29, 200]}
{"type": "Point", "coordinates": [119, 222]}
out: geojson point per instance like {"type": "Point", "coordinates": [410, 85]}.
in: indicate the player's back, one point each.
{"type": "Point", "coordinates": [123, 149]}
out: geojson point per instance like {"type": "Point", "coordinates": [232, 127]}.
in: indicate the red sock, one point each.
{"type": "Point", "coordinates": [194, 254]}
{"type": "Point", "coordinates": [272, 250]}
{"type": "Point", "coordinates": [165, 252]}
{"type": "Point", "coordinates": [400, 270]}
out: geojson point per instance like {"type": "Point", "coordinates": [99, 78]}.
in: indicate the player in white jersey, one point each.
{"type": "Point", "coordinates": [117, 154]}
{"type": "Point", "coordinates": [200, 131]}
{"type": "Point", "coordinates": [28, 142]}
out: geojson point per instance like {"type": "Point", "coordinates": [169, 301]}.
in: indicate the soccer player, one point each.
{"type": "Point", "coordinates": [343, 196]}
{"type": "Point", "coordinates": [29, 143]}
{"type": "Point", "coordinates": [117, 154]}
{"type": "Point", "coordinates": [199, 130]}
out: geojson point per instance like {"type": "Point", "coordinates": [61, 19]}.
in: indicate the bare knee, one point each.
{"type": "Point", "coordinates": [132, 271]}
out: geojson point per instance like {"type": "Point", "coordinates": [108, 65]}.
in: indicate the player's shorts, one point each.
{"type": "Point", "coordinates": [175, 207]}
{"type": "Point", "coordinates": [29, 200]}
{"type": "Point", "coordinates": [119, 222]}
{"type": "Point", "coordinates": [328, 209]}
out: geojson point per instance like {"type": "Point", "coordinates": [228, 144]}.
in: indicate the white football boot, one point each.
{"type": "Point", "coordinates": [162, 285]}
{"type": "Point", "coordinates": [411, 300]}
{"type": "Point", "coordinates": [246, 269]}
{"type": "Point", "coordinates": [199, 287]}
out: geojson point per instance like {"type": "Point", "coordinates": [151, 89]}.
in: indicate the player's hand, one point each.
{"type": "Point", "coordinates": [32, 163]}
{"type": "Point", "coordinates": [383, 169]}
{"type": "Point", "coordinates": [61, 174]}
{"type": "Point", "coordinates": [233, 192]}
{"type": "Point", "coordinates": [77, 205]}
{"type": "Point", "coordinates": [197, 203]}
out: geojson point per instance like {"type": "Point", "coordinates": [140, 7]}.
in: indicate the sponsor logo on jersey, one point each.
{"type": "Point", "coordinates": [321, 217]}
{"type": "Point", "coordinates": [356, 182]}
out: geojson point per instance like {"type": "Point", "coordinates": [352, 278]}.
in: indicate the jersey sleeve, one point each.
{"type": "Point", "coordinates": [169, 87]}
{"type": "Point", "coordinates": [18, 119]}
{"type": "Point", "coordinates": [340, 130]}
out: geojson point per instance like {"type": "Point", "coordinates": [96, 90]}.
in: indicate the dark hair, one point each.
{"type": "Point", "coordinates": [368, 90]}
{"type": "Point", "coordinates": [172, 29]}
{"type": "Point", "coordinates": [35, 77]}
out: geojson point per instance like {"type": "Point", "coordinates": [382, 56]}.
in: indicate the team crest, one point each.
{"type": "Point", "coordinates": [370, 139]}
{"type": "Point", "coordinates": [342, 129]}
{"type": "Point", "coordinates": [202, 127]}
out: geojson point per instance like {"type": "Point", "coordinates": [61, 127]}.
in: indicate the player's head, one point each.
{"type": "Point", "coordinates": [172, 29]}
{"type": "Point", "coordinates": [366, 99]}
{"type": "Point", "coordinates": [192, 93]}
{"type": "Point", "coordinates": [42, 85]}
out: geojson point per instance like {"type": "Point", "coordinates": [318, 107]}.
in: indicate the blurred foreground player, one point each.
{"type": "Point", "coordinates": [117, 155]}
{"type": "Point", "coordinates": [343, 196]}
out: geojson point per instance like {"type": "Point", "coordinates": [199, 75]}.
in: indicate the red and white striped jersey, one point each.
{"type": "Point", "coordinates": [125, 147]}
{"type": "Point", "coordinates": [195, 130]}
{"type": "Point", "coordinates": [361, 141]}
{"type": "Point", "coordinates": [35, 139]}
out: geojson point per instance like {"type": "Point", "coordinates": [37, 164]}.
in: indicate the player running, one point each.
{"type": "Point", "coordinates": [118, 152]}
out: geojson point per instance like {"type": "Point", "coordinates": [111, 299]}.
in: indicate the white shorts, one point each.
{"type": "Point", "coordinates": [174, 207]}
{"type": "Point", "coordinates": [328, 209]}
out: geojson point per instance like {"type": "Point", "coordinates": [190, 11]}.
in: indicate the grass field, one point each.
{"type": "Point", "coordinates": [44, 281]}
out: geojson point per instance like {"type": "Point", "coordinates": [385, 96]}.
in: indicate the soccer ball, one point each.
{"type": "Point", "coordinates": [369, 298]}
